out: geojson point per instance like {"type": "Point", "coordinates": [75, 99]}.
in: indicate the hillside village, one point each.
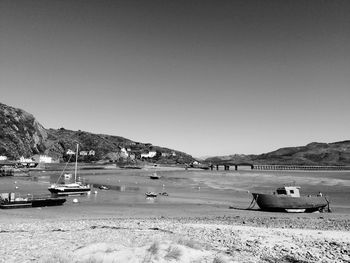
{"type": "Point", "coordinates": [24, 139]}
{"type": "Point", "coordinates": [128, 154]}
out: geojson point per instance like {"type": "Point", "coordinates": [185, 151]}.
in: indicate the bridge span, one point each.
{"type": "Point", "coordinates": [269, 167]}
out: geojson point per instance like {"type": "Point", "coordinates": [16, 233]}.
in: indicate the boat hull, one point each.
{"type": "Point", "coordinates": [48, 202]}
{"type": "Point", "coordinates": [41, 202]}
{"type": "Point", "coordinates": [12, 205]}
{"type": "Point", "coordinates": [269, 202]}
{"type": "Point", "coordinates": [69, 191]}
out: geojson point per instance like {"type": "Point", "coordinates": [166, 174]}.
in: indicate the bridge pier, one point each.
{"type": "Point", "coordinates": [235, 165]}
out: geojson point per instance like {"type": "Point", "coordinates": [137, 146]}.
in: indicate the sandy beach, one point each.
{"type": "Point", "coordinates": [193, 224]}
{"type": "Point", "coordinates": [241, 238]}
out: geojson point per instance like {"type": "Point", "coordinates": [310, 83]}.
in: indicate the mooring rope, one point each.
{"type": "Point", "coordinates": [253, 202]}
{"type": "Point", "coordinates": [70, 156]}
{"type": "Point", "coordinates": [251, 206]}
{"type": "Point", "coordinates": [328, 207]}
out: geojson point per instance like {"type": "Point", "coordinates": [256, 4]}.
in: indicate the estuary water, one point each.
{"type": "Point", "coordinates": [181, 192]}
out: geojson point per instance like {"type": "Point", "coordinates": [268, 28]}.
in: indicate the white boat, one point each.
{"type": "Point", "coordinates": [76, 188]}
{"type": "Point", "coordinates": [151, 195]}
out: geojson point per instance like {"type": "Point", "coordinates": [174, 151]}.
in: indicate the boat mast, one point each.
{"type": "Point", "coordinates": [76, 164]}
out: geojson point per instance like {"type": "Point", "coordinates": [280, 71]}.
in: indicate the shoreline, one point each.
{"type": "Point", "coordinates": [203, 239]}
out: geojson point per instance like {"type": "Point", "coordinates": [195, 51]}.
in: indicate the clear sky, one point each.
{"type": "Point", "coordinates": [203, 77]}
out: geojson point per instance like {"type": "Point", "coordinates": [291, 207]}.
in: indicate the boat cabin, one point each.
{"type": "Point", "coordinates": [289, 190]}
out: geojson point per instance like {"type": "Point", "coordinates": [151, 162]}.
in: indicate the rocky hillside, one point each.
{"type": "Point", "coordinates": [337, 153]}
{"type": "Point", "coordinates": [22, 135]}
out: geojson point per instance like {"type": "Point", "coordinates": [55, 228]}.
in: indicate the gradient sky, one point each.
{"type": "Point", "coordinates": [203, 77]}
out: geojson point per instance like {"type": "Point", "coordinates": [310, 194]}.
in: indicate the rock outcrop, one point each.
{"type": "Point", "coordinates": [20, 133]}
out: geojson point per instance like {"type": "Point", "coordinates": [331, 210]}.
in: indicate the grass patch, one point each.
{"type": "Point", "coordinates": [152, 251]}
{"type": "Point", "coordinates": [219, 259]}
{"type": "Point", "coordinates": [173, 252]}
{"type": "Point", "coordinates": [154, 248]}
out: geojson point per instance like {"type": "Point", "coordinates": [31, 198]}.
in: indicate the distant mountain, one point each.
{"type": "Point", "coordinates": [337, 153]}
{"type": "Point", "coordinates": [22, 135]}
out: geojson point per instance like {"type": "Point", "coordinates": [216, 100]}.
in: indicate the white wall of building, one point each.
{"type": "Point", "coordinates": [150, 154]}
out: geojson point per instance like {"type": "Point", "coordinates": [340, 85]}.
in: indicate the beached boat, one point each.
{"type": "Point", "coordinates": [154, 176]}
{"type": "Point", "coordinates": [11, 200]}
{"type": "Point", "coordinates": [288, 199]}
{"type": "Point", "coordinates": [76, 188]}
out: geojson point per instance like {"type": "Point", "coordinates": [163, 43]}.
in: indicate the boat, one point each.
{"type": "Point", "coordinates": [104, 187]}
{"type": "Point", "coordinates": [76, 188]}
{"type": "Point", "coordinates": [151, 195]}
{"type": "Point", "coordinates": [13, 200]}
{"type": "Point", "coordinates": [155, 176]}
{"type": "Point", "coordinates": [131, 167]}
{"type": "Point", "coordinates": [288, 199]}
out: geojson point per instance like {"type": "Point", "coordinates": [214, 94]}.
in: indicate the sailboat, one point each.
{"type": "Point", "coordinates": [76, 188]}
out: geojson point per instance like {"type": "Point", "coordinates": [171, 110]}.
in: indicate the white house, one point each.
{"type": "Point", "coordinates": [25, 160]}
{"type": "Point", "coordinates": [150, 154]}
{"type": "Point", "coordinates": [91, 152]}
{"type": "Point", "coordinates": [124, 153]}
{"type": "Point", "coordinates": [70, 152]}
{"type": "Point", "coordinates": [43, 159]}
{"type": "Point", "coordinates": [83, 153]}
{"type": "Point", "coordinates": [3, 158]}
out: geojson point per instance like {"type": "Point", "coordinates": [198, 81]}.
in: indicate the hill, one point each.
{"type": "Point", "coordinates": [337, 153]}
{"type": "Point", "coordinates": [22, 135]}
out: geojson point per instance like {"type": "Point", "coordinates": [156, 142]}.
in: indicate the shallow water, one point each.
{"type": "Point", "coordinates": [187, 189]}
